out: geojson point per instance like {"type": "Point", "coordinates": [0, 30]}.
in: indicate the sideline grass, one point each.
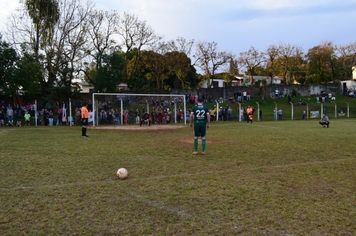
{"type": "Point", "coordinates": [269, 178]}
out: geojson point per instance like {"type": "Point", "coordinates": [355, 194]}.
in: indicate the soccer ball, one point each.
{"type": "Point", "coordinates": [122, 173]}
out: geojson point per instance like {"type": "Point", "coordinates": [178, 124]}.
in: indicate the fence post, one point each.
{"type": "Point", "coordinates": [35, 112]}
{"type": "Point", "coordinates": [122, 110]}
{"type": "Point", "coordinates": [238, 113]}
{"type": "Point", "coordinates": [292, 109]}
{"type": "Point", "coordinates": [70, 111]}
{"type": "Point", "coordinates": [348, 110]}
{"type": "Point", "coordinates": [258, 111]}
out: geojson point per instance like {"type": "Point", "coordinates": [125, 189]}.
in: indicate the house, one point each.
{"type": "Point", "coordinates": [219, 83]}
{"type": "Point", "coordinates": [245, 79]}
{"type": "Point", "coordinates": [347, 84]}
{"type": "Point", "coordinates": [88, 88]}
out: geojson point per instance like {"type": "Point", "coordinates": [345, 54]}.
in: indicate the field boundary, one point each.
{"type": "Point", "coordinates": [175, 175]}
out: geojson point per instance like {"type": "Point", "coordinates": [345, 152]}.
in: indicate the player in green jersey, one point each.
{"type": "Point", "coordinates": [200, 115]}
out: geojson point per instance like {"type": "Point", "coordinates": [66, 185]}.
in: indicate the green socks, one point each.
{"type": "Point", "coordinates": [196, 145]}
{"type": "Point", "coordinates": [203, 143]}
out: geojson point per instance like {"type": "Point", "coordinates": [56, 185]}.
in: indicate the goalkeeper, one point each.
{"type": "Point", "coordinates": [145, 118]}
{"type": "Point", "coordinates": [201, 117]}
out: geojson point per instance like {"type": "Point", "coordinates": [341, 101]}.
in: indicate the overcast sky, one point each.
{"type": "Point", "coordinates": [235, 24]}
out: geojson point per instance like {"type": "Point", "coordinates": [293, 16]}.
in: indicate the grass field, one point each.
{"type": "Point", "coordinates": [268, 178]}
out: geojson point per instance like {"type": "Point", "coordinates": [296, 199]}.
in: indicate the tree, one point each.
{"type": "Point", "coordinates": [109, 74]}
{"type": "Point", "coordinates": [320, 62]}
{"type": "Point", "coordinates": [210, 60]}
{"type": "Point", "coordinates": [44, 15]}
{"type": "Point", "coordinates": [134, 34]}
{"type": "Point", "coordinates": [17, 74]}
{"type": "Point", "coordinates": [347, 56]}
{"type": "Point", "coordinates": [272, 54]}
{"type": "Point", "coordinates": [251, 60]}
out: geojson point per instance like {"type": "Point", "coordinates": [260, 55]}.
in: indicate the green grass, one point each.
{"type": "Point", "coordinates": [269, 178]}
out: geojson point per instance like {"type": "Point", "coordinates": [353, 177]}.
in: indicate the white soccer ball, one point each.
{"type": "Point", "coordinates": [122, 173]}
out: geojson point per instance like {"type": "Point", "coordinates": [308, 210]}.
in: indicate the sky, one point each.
{"type": "Point", "coordinates": [235, 24]}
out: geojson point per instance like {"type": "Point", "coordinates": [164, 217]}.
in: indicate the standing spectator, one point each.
{"type": "Point", "coordinates": [235, 95]}
{"type": "Point", "coordinates": [90, 106]}
{"type": "Point", "coordinates": [48, 106]}
{"type": "Point", "coordinates": [117, 117]}
{"type": "Point", "coordinates": [131, 116]}
{"type": "Point", "coordinates": [64, 109]}
{"type": "Point", "coordinates": [3, 104]}
{"type": "Point", "coordinates": [280, 113]}
{"type": "Point", "coordinates": [229, 113]}
{"type": "Point", "coordinates": [60, 117]}
{"type": "Point", "coordinates": [50, 118]}
{"type": "Point", "coordinates": [137, 116]}
{"type": "Point", "coordinates": [304, 112]}
{"type": "Point", "coordinates": [244, 94]}
{"type": "Point", "coordinates": [276, 92]}
{"type": "Point", "coordinates": [33, 109]}
{"type": "Point", "coordinates": [110, 116]}
{"type": "Point", "coordinates": [80, 105]}
{"type": "Point", "coordinates": [2, 118]}
{"type": "Point", "coordinates": [260, 114]}
{"type": "Point", "coordinates": [18, 112]}
{"type": "Point", "coordinates": [9, 113]}
{"type": "Point", "coordinates": [224, 113]}
{"type": "Point", "coordinates": [77, 116]}
{"type": "Point", "coordinates": [239, 96]}
{"type": "Point", "coordinates": [241, 114]}
{"type": "Point", "coordinates": [245, 114]}
{"type": "Point", "coordinates": [274, 114]}
{"type": "Point", "coordinates": [248, 95]}
{"type": "Point", "coordinates": [27, 119]}
{"type": "Point", "coordinates": [289, 98]}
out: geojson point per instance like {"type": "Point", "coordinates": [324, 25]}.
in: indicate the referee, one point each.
{"type": "Point", "coordinates": [85, 116]}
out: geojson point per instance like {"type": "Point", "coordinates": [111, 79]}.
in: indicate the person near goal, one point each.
{"type": "Point", "coordinates": [200, 115]}
{"type": "Point", "coordinates": [145, 118]}
{"type": "Point", "coordinates": [85, 117]}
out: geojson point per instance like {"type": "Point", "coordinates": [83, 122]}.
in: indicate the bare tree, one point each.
{"type": "Point", "coordinates": [103, 25]}
{"type": "Point", "coordinates": [251, 60]}
{"type": "Point", "coordinates": [347, 55]}
{"type": "Point", "coordinates": [288, 52]}
{"type": "Point", "coordinates": [181, 45]}
{"type": "Point", "coordinates": [210, 60]}
{"type": "Point", "coordinates": [272, 54]}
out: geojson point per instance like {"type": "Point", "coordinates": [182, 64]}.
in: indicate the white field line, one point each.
{"type": "Point", "coordinates": [175, 175]}
{"type": "Point", "coordinates": [160, 205]}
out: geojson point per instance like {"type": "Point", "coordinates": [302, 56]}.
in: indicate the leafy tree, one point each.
{"type": "Point", "coordinates": [17, 73]}
{"type": "Point", "coordinates": [109, 74]}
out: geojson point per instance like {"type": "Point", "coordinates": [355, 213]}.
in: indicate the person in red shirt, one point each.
{"type": "Point", "coordinates": [85, 116]}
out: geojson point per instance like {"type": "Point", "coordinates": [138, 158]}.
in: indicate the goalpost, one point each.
{"type": "Point", "coordinates": [139, 100]}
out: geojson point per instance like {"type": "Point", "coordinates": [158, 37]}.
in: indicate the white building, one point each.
{"type": "Point", "coordinates": [88, 88]}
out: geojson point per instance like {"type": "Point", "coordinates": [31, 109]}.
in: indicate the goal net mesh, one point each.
{"type": "Point", "coordinates": [127, 109]}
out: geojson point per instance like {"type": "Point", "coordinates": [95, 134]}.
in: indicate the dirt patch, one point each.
{"type": "Point", "coordinates": [136, 127]}
{"type": "Point", "coordinates": [191, 140]}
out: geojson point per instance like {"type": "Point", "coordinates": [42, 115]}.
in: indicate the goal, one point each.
{"type": "Point", "coordinates": [114, 108]}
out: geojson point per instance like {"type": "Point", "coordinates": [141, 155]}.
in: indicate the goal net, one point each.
{"type": "Point", "coordinates": [123, 108]}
